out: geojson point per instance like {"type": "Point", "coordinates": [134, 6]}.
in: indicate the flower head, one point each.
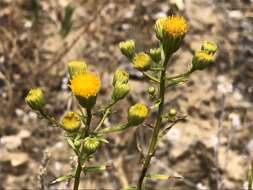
{"type": "Point", "coordinates": [120, 76]}
{"type": "Point", "coordinates": [151, 91]}
{"type": "Point", "coordinates": [201, 60]}
{"type": "Point", "coordinates": [155, 54]}
{"type": "Point", "coordinates": [71, 121]}
{"type": "Point", "coordinates": [209, 47]}
{"type": "Point", "coordinates": [175, 26]}
{"type": "Point", "coordinates": [137, 114]}
{"type": "Point", "coordinates": [90, 144]}
{"type": "Point", "coordinates": [127, 48]}
{"type": "Point", "coordinates": [142, 61]}
{"type": "Point", "coordinates": [85, 85]}
{"type": "Point", "coordinates": [35, 99]}
{"type": "Point", "coordinates": [120, 91]}
{"type": "Point", "coordinates": [171, 31]}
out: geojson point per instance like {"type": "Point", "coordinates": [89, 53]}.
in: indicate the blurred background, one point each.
{"type": "Point", "coordinates": [214, 145]}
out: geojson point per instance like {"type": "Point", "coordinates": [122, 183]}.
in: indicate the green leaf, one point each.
{"type": "Point", "coordinates": [94, 169]}
{"type": "Point", "coordinates": [158, 176]}
{"type": "Point", "coordinates": [66, 23]}
{"type": "Point", "coordinates": [103, 140]}
{"type": "Point", "coordinates": [129, 188]}
{"type": "Point", "coordinates": [70, 142]}
{"type": "Point", "coordinates": [62, 178]}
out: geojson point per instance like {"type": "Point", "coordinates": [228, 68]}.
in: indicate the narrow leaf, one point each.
{"type": "Point", "coordinates": [93, 169]}
{"type": "Point", "coordinates": [129, 188]}
{"type": "Point", "coordinates": [157, 176]}
{"type": "Point", "coordinates": [62, 178]}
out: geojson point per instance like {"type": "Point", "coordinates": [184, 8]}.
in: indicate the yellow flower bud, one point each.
{"type": "Point", "coordinates": [71, 121]}
{"type": "Point", "coordinates": [120, 91]}
{"type": "Point", "coordinates": [35, 99]}
{"type": "Point", "coordinates": [85, 87]}
{"type": "Point", "coordinates": [201, 60]}
{"type": "Point", "coordinates": [155, 54]}
{"type": "Point", "coordinates": [76, 68]}
{"type": "Point", "coordinates": [90, 144]}
{"type": "Point", "coordinates": [172, 112]}
{"type": "Point", "coordinates": [209, 47]}
{"type": "Point", "coordinates": [137, 114]}
{"type": "Point", "coordinates": [142, 61]}
{"type": "Point", "coordinates": [127, 48]}
{"type": "Point", "coordinates": [151, 91]}
{"type": "Point", "coordinates": [120, 76]}
{"type": "Point", "coordinates": [171, 31]}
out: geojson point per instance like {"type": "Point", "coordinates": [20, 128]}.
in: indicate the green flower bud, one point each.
{"type": "Point", "coordinates": [35, 99]}
{"type": "Point", "coordinates": [120, 76]}
{"type": "Point", "coordinates": [77, 143]}
{"type": "Point", "coordinates": [201, 60]}
{"type": "Point", "coordinates": [127, 48]}
{"type": "Point", "coordinates": [76, 68]}
{"type": "Point", "coordinates": [155, 54]}
{"type": "Point", "coordinates": [209, 47]}
{"type": "Point", "coordinates": [159, 27]}
{"type": "Point", "coordinates": [90, 144]}
{"type": "Point", "coordinates": [137, 114]}
{"type": "Point", "coordinates": [71, 121]}
{"type": "Point", "coordinates": [142, 61]}
{"type": "Point", "coordinates": [120, 91]}
{"type": "Point", "coordinates": [151, 91]}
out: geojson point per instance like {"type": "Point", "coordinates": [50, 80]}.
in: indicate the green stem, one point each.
{"type": "Point", "coordinates": [50, 118]}
{"type": "Point", "coordinates": [114, 129]}
{"type": "Point", "coordinates": [77, 175]}
{"type": "Point", "coordinates": [106, 113]}
{"type": "Point", "coordinates": [180, 75]}
{"type": "Point", "coordinates": [154, 138]}
{"type": "Point", "coordinates": [152, 78]}
{"type": "Point", "coordinates": [79, 165]}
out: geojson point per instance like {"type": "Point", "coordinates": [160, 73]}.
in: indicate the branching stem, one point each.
{"type": "Point", "coordinates": [79, 165]}
{"type": "Point", "coordinates": [154, 138]}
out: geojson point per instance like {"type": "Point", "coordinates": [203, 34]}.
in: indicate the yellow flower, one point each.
{"type": "Point", "coordinates": [85, 85]}
{"type": "Point", "coordinates": [175, 26]}
{"type": "Point", "coordinates": [209, 47]}
{"type": "Point", "coordinates": [201, 60]}
{"type": "Point", "coordinates": [137, 114]}
{"type": "Point", "coordinates": [71, 121]}
{"type": "Point", "coordinates": [142, 61]}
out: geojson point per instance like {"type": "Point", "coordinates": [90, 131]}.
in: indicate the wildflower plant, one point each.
{"type": "Point", "coordinates": [85, 85]}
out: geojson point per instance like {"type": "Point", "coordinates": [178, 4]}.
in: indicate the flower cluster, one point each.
{"type": "Point", "coordinates": [85, 136]}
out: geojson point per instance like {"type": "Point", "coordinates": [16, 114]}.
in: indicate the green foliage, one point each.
{"type": "Point", "coordinates": [66, 23]}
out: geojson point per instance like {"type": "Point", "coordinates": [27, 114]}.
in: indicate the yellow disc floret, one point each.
{"type": "Point", "coordinates": [175, 26]}
{"type": "Point", "coordinates": [85, 85]}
